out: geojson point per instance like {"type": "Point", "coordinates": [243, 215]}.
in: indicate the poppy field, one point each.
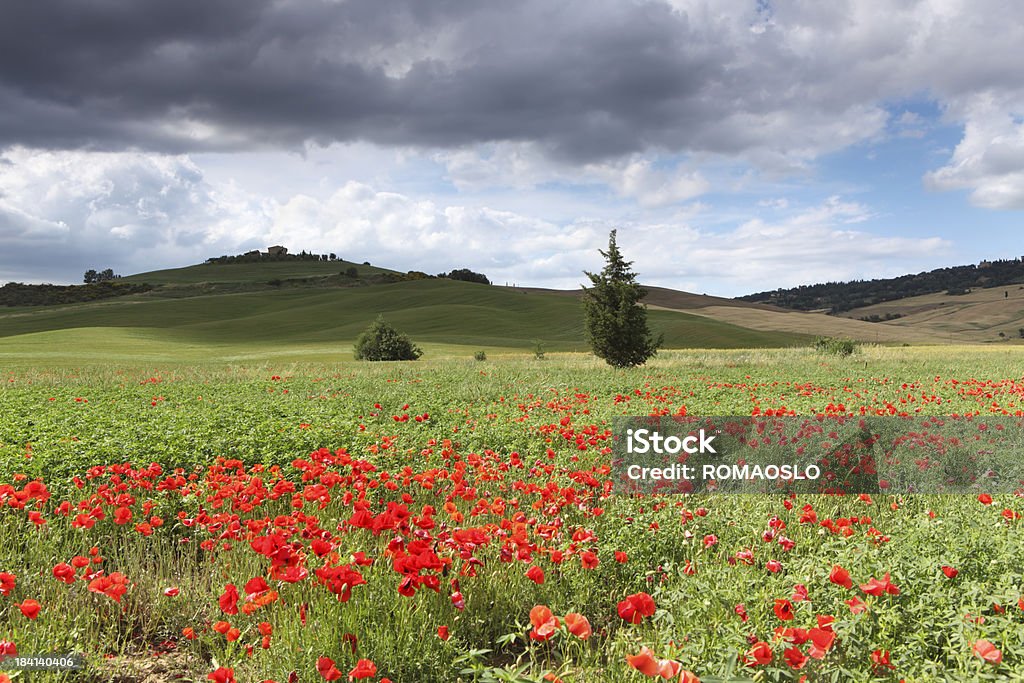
{"type": "Point", "coordinates": [455, 520]}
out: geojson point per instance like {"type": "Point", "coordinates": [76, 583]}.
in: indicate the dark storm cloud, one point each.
{"type": "Point", "coordinates": [588, 80]}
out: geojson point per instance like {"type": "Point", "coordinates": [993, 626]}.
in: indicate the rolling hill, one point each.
{"type": "Point", "coordinates": [251, 273]}
{"type": "Point", "coordinates": [989, 314]}
{"type": "Point", "coordinates": [301, 307]}
{"type": "Point", "coordinates": [438, 314]}
{"type": "Point", "coordinates": [769, 318]}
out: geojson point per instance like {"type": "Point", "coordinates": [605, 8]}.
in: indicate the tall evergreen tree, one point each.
{"type": "Point", "coordinates": [616, 323]}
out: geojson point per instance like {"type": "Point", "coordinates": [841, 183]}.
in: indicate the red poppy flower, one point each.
{"type": "Point", "coordinates": [784, 609]}
{"type": "Point", "coordinates": [635, 607]}
{"type": "Point", "coordinates": [255, 587]}
{"type": "Point", "coordinates": [621, 557]}
{"type": "Point", "coordinates": [544, 623]}
{"type": "Point", "coordinates": [228, 600]}
{"type": "Point", "coordinates": [113, 586]}
{"type": "Point", "coordinates": [985, 499]}
{"type": "Point", "coordinates": [589, 559]}
{"type": "Point", "coordinates": [857, 605]}
{"type": "Point", "coordinates": [880, 660]}
{"type": "Point", "coordinates": [172, 592]}
{"type": "Point", "coordinates": [988, 652]}
{"type": "Point", "coordinates": [122, 515]}
{"type": "Point", "coordinates": [578, 625]}
{"type": "Point", "coordinates": [822, 640]}
{"type": "Point", "coordinates": [321, 547]}
{"type": "Point", "coordinates": [7, 583]}
{"type": "Point", "coordinates": [442, 633]}
{"type": "Point", "coordinates": [795, 658]}
{"type": "Point", "coordinates": [222, 675]}
{"type": "Point", "coordinates": [30, 608]}
{"type": "Point", "coordinates": [877, 587]}
{"type": "Point", "coordinates": [668, 668]}
{"type": "Point", "coordinates": [759, 655]}
{"type": "Point", "coordinates": [64, 572]}
{"type": "Point", "coordinates": [840, 577]}
{"type": "Point", "coordinates": [950, 572]}
{"type": "Point", "coordinates": [364, 668]}
{"type": "Point", "coordinates": [535, 574]}
{"type": "Point", "coordinates": [644, 661]}
{"type": "Point", "coordinates": [327, 669]}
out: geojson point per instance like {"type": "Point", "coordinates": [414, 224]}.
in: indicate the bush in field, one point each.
{"type": "Point", "coordinates": [480, 355]}
{"type": "Point", "coordinates": [835, 347]}
{"type": "Point", "coordinates": [381, 341]}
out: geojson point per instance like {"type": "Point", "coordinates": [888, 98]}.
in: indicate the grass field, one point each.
{"type": "Point", "coordinates": [415, 522]}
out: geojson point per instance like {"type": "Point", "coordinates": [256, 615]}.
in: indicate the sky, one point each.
{"type": "Point", "coordinates": [735, 145]}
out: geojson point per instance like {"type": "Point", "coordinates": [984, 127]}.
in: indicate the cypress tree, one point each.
{"type": "Point", "coordinates": [616, 323]}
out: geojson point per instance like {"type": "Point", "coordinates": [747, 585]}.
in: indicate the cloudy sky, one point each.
{"type": "Point", "coordinates": [737, 145]}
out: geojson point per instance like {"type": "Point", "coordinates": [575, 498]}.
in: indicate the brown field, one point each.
{"type": "Point", "coordinates": [978, 316]}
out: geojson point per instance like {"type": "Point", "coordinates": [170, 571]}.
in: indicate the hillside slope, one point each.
{"type": "Point", "coordinates": [980, 315]}
{"type": "Point", "coordinates": [431, 311]}
{"type": "Point", "coordinates": [768, 318]}
{"type": "Point", "coordinates": [260, 272]}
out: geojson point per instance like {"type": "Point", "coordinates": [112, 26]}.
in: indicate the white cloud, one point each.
{"type": "Point", "coordinates": [63, 212]}
{"type": "Point", "coordinates": [650, 180]}
{"type": "Point", "coordinates": [989, 160]}
{"type": "Point", "coordinates": [136, 212]}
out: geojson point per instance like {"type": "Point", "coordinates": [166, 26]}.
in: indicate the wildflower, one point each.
{"type": "Point", "coordinates": [635, 607]}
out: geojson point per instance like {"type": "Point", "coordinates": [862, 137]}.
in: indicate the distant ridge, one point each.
{"type": "Point", "coordinates": [838, 297]}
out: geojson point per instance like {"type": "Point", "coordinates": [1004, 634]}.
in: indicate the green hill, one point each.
{"type": "Point", "coordinates": [434, 312]}
{"type": "Point", "coordinates": [258, 272]}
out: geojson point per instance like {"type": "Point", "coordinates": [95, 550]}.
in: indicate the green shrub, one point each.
{"type": "Point", "coordinates": [538, 349]}
{"type": "Point", "coordinates": [480, 355]}
{"type": "Point", "coordinates": [835, 347]}
{"type": "Point", "coordinates": [380, 341]}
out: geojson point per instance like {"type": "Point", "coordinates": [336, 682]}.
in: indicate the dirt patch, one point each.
{"type": "Point", "coordinates": [166, 667]}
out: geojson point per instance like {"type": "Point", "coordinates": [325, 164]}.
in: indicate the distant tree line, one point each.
{"type": "Point", "coordinates": [18, 294]}
{"type": "Point", "coordinates": [463, 274]}
{"type": "Point", "coordinates": [91, 276]}
{"type": "Point", "coordinates": [837, 297]}
{"type": "Point", "coordinates": [258, 256]}
{"type": "Point", "coordinates": [466, 275]}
